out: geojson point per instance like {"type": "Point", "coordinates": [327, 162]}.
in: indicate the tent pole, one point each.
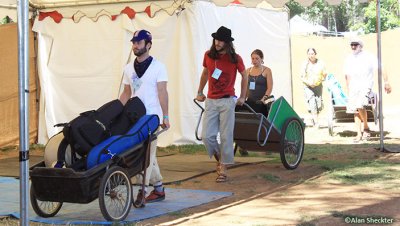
{"type": "Point", "coordinates": [23, 84]}
{"type": "Point", "coordinates": [378, 38]}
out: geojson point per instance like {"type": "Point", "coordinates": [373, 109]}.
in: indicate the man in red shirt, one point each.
{"type": "Point", "coordinates": [221, 64]}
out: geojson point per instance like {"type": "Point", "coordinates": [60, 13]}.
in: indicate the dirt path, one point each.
{"type": "Point", "coordinates": [300, 196]}
{"type": "Point", "coordinates": [268, 194]}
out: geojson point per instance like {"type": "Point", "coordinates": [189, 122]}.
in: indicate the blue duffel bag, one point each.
{"type": "Point", "coordinates": [114, 145]}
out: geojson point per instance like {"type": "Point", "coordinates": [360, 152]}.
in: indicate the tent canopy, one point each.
{"type": "Point", "coordinates": [299, 25]}
{"type": "Point", "coordinates": [81, 57]}
{"type": "Point", "coordinates": [41, 4]}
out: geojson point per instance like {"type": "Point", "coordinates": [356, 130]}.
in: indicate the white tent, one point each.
{"type": "Point", "coordinates": [81, 58]}
{"type": "Point", "coordinates": [299, 25]}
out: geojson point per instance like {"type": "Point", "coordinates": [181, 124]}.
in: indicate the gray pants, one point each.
{"type": "Point", "coordinates": [219, 116]}
{"type": "Point", "coordinates": [313, 97]}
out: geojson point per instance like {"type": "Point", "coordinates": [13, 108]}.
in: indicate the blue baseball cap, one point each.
{"type": "Point", "coordinates": [140, 35]}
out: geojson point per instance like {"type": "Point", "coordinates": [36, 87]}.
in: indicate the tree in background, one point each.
{"type": "Point", "coordinates": [389, 16]}
{"type": "Point", "coordinates": [350, 15]}
{"type": "Point", "coordinates": [6, 20]}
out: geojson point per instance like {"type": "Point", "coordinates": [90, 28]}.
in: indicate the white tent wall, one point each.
{"type": "Point", "coordinates": [80, 64]}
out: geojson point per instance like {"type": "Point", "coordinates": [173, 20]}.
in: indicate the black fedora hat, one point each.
{"type": "Point", "coordinates": [223, 34]}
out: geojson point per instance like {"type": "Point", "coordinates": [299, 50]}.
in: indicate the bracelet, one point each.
{"type": "Point", "coordinates": [200, 94]}
{"type": "Point", "coordinates": [165, 117]}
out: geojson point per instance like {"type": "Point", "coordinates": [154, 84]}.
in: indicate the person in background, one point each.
{"type": "Point", "coordinates": [259, 88]}
{"type": "Point", "coordinates": [147, 78]}
{"type": "Point", "coordinates": [359, 68]}
{"type": "Point", "coordinates": [221, 63]}
{"type": "Point", "coordinates": [312, 74]}
{"type": "Point", "coordinates": [260, 83]}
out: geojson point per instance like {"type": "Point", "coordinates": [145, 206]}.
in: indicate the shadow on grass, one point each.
{"type": "Point", "coordinates": [348, 133]}
{"type": "Point", "coordinates": [364, 215]}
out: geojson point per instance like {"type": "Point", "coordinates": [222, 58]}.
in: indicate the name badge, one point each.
{"type": "Point", "coordinates": [136, 84]}
{"type": "Point", "coordinates": [252, 86]}
{"type": "Point", "coordinates": [217, 72]}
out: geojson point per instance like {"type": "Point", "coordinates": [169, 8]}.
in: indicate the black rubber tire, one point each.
{"type": "Point", "coordinates": [115, 194]}
{"type": "Point", "coordinates": [331, 116]}
{"type": "Point", "coordinates": [292, 143]}
{"type": "Point", "coordinates": [44, 208]}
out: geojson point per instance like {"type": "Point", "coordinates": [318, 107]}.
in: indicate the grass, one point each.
{"type": "Point", "coordinates": [178, 214]}
{"type": "Point", "coordinates": [16, 148]}
{"type": "Point", "coordinates": [367, 173]}
{"type": "Point", "coordinates": [189, 149]}
{"type": "Point", "coordinates": [268, 177]}
{"type": "Point", "coordinates": [199, 149]}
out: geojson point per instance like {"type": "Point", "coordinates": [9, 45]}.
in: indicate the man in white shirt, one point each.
{"type": "Point", "coordinates": [147, 78]}
{"type": "Point", "coordinates": [359, 70]}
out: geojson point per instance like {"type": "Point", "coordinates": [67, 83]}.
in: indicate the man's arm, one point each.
{"type": "Point", "coordinates": [163, 98]}
{"type": "Point", "coordinates": [387, 86]}
{"type": "Point", "coordinates": [126, 94]}
{"type": "Point", "coordinates": [243, 88]}
{"type": "Point", "coordinates": [203, 81]}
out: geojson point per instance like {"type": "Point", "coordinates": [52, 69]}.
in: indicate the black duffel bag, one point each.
{"type": "Point", "coordinates": [91, 127]}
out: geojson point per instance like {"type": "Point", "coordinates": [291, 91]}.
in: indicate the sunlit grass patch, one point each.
{"type": "Point", "coordinates": [367, 172]}
{"type": "Point", "coordinates": [184, 149]}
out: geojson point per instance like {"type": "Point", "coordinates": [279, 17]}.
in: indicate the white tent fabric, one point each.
{"type": "Point", "coordinates": [299, 25]}
{"type": "Point", "coordinates": [80, 64]}
{"type": "Point", "coordinates": [249, 3]}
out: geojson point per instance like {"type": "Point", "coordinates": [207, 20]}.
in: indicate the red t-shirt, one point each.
{"type": "Point", "coordinates": [225, 85]}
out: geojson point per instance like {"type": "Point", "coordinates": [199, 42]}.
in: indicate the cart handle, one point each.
{"type": "Point", "coordinates": [262, 125]}
{"type": "Point", "coordinates": [156, 134]}
{"type": "Point", "coordinates": [196, 132]}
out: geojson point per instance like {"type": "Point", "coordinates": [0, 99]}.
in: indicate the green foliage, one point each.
{"type": "Point", "coordinates": [6, 20]}
{"type": "Point", "coordinates": [295, 8]}
{"type": "Point", "coordinates": [350, 15]}
{"type": "Point", "coordinates": [389, 14]}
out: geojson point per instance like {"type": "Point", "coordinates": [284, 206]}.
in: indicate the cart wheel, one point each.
{"type": "Point", "coordinates": [330, 128]}
{"type": "Point", "coordinates": [115, 194]}
{"type": "Point", "coordinates": [243, 152]}
{"type": "Point", "coordinates": [375, 110]}
{"type": "Point", "coordinates": [292, 143]}
{"type": "Point", "coordinates": [44, 208]}
{"type": "Point", "coordinates": [331, 115]}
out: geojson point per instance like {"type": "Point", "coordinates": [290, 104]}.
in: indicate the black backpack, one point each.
{"type": "Point", "coordinates": [133, 110]}
{"type": "Point", "coordinates": [92, 127]}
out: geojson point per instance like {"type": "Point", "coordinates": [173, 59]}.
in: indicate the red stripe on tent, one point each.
{"type": "Point", "coordinates": [130, 12]}
{"type": "Point", "coordinates": [56, 16]}
{"type": "Point", "coordinates": [237, 2]}
{"type": "Point", "coordinates": [148, 11]}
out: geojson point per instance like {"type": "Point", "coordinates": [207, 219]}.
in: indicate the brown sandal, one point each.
{"type": "Point", "coordinates": [221, 178]}
{"type": "Point", "coordinates": [221, 172]}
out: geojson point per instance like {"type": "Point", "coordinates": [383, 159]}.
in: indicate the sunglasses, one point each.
{"type": "Point", "coordinates": [354, 44]}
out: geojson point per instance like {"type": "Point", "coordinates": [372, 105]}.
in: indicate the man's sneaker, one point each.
{"type": "Point", "coordinates": [156, 196]}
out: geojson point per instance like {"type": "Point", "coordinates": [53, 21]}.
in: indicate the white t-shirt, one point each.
{"type": "Point", "coordinates": [360, 71]}
{"type": "Point", "coordinates": [147, 90]}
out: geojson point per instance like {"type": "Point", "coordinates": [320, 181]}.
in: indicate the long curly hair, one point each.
{"type": "Point", "coordinates": [230, 50]}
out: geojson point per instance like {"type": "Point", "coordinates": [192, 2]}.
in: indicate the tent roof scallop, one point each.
{"type": "Point", "coordinates": [64, 3]}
